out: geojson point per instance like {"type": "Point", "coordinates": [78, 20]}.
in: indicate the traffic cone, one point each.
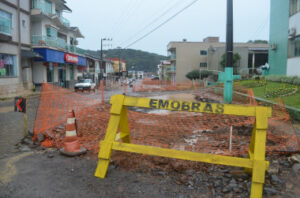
{"type": "Point", "coordinates": [71, 142]}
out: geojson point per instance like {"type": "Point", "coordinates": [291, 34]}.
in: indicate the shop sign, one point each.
{"type": "Point", "coordinates": [71, 58]}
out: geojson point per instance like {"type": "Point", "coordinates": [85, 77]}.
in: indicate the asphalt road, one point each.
{"type": "Point", "coordinates": [47, 174]}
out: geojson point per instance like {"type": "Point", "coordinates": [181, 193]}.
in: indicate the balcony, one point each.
{"type": "Point", "coordinates": [44, 6]}
{"type": "Point", "coordinates": [171, 69]}
{"type": "Point", "coordinates": [59, 43]}
{"type": "Point", "coordinates": [74, 49]}
{"type": "Point", "coordinates": [64, 21]}
{"type": "Point", "coordinates": [172, 57]}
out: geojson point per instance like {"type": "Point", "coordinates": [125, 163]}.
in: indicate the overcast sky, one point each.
{"type": "Point", "coordinates": [127, 20]}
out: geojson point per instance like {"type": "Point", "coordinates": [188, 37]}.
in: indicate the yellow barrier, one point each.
{"type": "Point", "coordinates": [255, 164]}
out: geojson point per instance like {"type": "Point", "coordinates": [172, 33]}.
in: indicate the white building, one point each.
{"type": "Point", "coordinates": [284, 49]}
{"type": "Point", "coordinates": [15, 48]}
{"type": "Point", "coordinates": [293, 62]}
{"type": "Point", "coordinates": [56, 40]}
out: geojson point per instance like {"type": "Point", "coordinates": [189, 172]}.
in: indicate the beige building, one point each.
{"type": "Point", "coordinates": [207, 55]}
{"type": "Point", "coordinates": [15, 48]}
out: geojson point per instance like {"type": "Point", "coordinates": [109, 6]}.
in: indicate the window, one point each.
{"type": "Point", "coordinates": [297, 47]}
{"type": "Point", "coordinates": [294, 6]}
{"type": "Point", "coordinates": [8, 65]}
{"type": "Point", "coordinates": [57, 13]}
{"type": "Point", "coordinates": [44, 5]}
{"type": "Point", "coordinates": [294, 47]}
{"type": "Point", "coordinates": [48, 7]}
{"type": "Point", "coordinates": [50, 73]}
{"type": "Point", "coordinates": [203, 52]}
{"type": "Point", "coordinates": [71, 72]}
{"type": "Point", "coordinates": [5, 22]}
{"type": "Point", "coordinates": [71, 41]}
{"type": "Point", "coordinates": [24, 23]}
{"type": "Point", "coordinates": [203, 64]}
{"type": "Point", "coordinates": [51, 32]}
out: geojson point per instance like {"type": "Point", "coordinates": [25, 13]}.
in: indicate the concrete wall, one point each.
{"type": "Point", "coordinates": [39, 73]}
{"type": "Point", "coordinates": [25, 28]}
{"type": "Point", "coordinates": [55, 74]}
{"type": "Point", "coordinates": [25, 5]}
{"type": "Point", "coordinates": [293, 66]}
{"type": "Point", "coordinates": [279, 36]}
{"type": "Point", "coordinates": [293, 63]}
{"type": "Point", "coordinates": [215, 57]}
{"type": "Point", "coordinates": [68, 73]}
{"type": "Point", "coordinates": [36, 29]}
{"type": "Point", "coordinates": [294, 22]}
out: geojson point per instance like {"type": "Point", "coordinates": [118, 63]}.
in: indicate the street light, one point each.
{"type": "Point", "coordinates": [103, 39]}
{"type": "Point", "coordinates": [101, 52]}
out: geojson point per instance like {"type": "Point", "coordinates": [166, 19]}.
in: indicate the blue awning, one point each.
{"type": "Point", "coordinates": [55, 56]}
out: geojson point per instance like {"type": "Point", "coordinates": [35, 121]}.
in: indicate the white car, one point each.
{"type": "Point", "coordinates": [85, 84]}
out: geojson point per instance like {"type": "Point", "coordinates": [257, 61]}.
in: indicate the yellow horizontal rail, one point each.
{"type": "Point", "coordinates": [184, 155]}
{"type": "Point", "coordinates": [201, 107]}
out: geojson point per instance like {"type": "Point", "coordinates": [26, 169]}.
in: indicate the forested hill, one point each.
{"type": "Point", "coordinates": [141, 60]}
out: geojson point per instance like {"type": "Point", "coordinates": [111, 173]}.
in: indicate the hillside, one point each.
{"type": "Point", "coordinates": [141, 60]}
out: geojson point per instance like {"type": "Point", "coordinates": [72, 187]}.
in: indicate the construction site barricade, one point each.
{"type": "Point", "coordinates": [255, 164]}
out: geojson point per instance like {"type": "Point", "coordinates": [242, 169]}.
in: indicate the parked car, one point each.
{"type": "Point", "coordinates": [155, 78]}
{"type": "Point", "coordinates": [85, 84]}
{"type": "Point", "coordinates": [127, 82]}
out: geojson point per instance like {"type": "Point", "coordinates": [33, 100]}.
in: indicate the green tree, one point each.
{"type": "Point", "coordinates": [258, 41]}
{"type": "Point", "coordinates": [141, 60]}
{"type": "Point", "coordinates": [236, 61]}
{"type": "Point", "coordinates": [193, 75]}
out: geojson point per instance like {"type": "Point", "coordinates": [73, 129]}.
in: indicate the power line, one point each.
{"type": "Point", "coordinates": [163, 23]}
{"type": "Point", "coordinates": [121, 16]}
{"type": "Point", "coordinates": [128, 16]}
{"type": "Point", "coordinates": [153, 21]}
{"type": "Point", "coordinates": [260, 28]}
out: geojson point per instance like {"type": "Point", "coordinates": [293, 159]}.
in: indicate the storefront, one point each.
{"type": "Point", "coordinates": [57, 67]}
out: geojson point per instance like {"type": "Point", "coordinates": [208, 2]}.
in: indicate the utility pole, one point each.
{"type": "Point", "coordinates": [228, 81]}
{"type": "Point", "coordinates": [101, 52]}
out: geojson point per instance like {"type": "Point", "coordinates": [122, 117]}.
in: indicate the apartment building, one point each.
{"type": "Point", "coordinates": [166, 71]}
{"type": "Point", "coordinates": [119, 66]}
{"type": "Point", "coordinates": [207, 55]}
{"type": "Point", "coordinates": [284, 39]}
{"type": "Point", "coordinates": [55, 40]}
{"type": "Point", "coordinates": [15, 47]}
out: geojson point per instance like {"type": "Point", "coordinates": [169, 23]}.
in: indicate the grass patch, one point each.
{"type": "Point", "coordinates": [293, 100]}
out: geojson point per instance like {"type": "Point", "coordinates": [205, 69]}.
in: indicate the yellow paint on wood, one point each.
{"type": "Point", "coordinates": [201, 107]}
{"type": "Point", "coordinates": [255, 164]}
{"type": "Point", "coordinates": [184, 155]}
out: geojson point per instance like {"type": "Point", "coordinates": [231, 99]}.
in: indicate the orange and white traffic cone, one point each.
{"type": "Point", "coordinates": [71, 142]}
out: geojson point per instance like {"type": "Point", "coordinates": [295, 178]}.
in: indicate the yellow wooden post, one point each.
{"type": "Point", "coordinates": [259, 165]}
{"type": "Point", "coordinates": [25, 119]}
{"type": "Point", "coordinates": [106, 145]}
{"type": "Point", "coordinates": [124, 128]}
{"type": "Point", "coordinates": [256, 163]}
{"type": "Point", "coordinates": [251, 148]}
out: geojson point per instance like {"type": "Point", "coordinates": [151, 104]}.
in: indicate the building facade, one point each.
{"type": "Point", "coordinates": [15, 48]}
{"type": "Point", "coordinates": [284, 39]}
{"type": "Point", "coordinates": [207, 55]}
{"type": "Point", "coordinates": [119, 66]}
{"type": "Point", "coordinates": [166, 71]}
{"type": "Point", "coordinates": [56, 41]}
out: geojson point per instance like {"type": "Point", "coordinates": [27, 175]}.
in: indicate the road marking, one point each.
{"type": "Point", "coordinates": [10, 169]}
